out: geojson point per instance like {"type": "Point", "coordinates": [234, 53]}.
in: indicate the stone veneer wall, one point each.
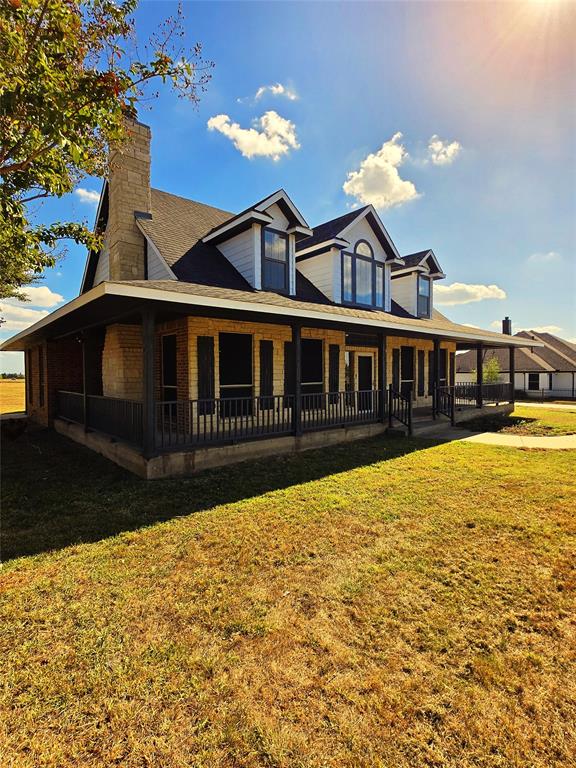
{"type": "Point", "coordinates": [129, 191]}
{"type": "Point", "coordinates": [122, 362]}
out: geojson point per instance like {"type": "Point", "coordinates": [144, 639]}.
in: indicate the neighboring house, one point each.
{"type": "Point", "coordinates": [548, 370]}
{"type": "Point", "coordinates": [202, 336]}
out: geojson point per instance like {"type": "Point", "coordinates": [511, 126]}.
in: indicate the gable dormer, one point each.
{"type": "Point", "coordinates": [413, 282]}
{"type": "Point", "coordinates": [260, 242]}
{"type": "Point", "coordinates": [350, 258]}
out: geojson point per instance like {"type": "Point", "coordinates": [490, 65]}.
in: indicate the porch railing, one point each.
{"type": "Point", "coordinates": [449, 398]}
{"type": "Point", "coordinates": [335, 409]}
{"type": "Point", "coordinates": [113, 416]}
{"type": "Point", "coordinates": [399, 408]}
{"type": "Point", "coordinates": [116, 417]}
{"type": "Point", "coordinates": [219, 420]}
{"type": "Point", "coordinates": [445, 401]}
{"type": "Point", "coordinates": [71, 406]}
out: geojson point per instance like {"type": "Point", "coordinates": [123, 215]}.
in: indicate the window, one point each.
{"type": "Point", "coordinates": [235, 363]}
{"type": "Point", "coordinates": [169, 372]}
{"type": "Point", "coordinates": [423, 296]}
{"type": "Point", "coordinates": [274, 260]}
{"type": "Point", "coordinates": [362, 277]}
{"type": "Point", "coordinates": [533, 381]}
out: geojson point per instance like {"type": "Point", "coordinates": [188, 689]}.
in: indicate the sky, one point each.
{"type": "Point", "coordinates": [457, 120]}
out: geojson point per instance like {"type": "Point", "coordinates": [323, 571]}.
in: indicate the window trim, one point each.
{"type": "Point", "coordinates": [362, 241]}
{"type": "Point", "coordinates": [374, 262]}
{"type": "Point", "coordinates": [264, 259]}
{"type": "Point", "coordinates": [537, 387]}
{"type": "Point", "coordinates": [427, 314]}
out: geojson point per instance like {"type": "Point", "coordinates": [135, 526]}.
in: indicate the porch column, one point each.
{"type": "Point", "coordinates": [382, 377]}
{"type": "Point", "coordinates": [479, 376]}
{"type": "Point", "coordinates": [512, 369]}
{"type": "Point", "coordinates": [297, 347]}
{"type": "Point", "coordinates": [85, 357]}
{"type": "Point", "coordinates": [148, 405]}
{"type": "Point", "coordinates": [435, 376]}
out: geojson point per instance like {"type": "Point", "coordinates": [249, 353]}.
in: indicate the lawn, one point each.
{"type": "Point", "coordinates": [12, 395]}
{"type": "Point", "coordinates": [383, 604]}
{"type": "Point", "coordinates": [527, 421]}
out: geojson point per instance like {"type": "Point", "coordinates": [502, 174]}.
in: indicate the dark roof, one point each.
{"type": "Point", "coordinates": [329, 229]}
{"type": "Point", "coordinates": [556, 350]}
{"type": "Point", "coordinates": [412, 260]}
{"type": "Point", "coordinates": [523, 359]}
{"type": "Point", "coordinates": [400, 311]}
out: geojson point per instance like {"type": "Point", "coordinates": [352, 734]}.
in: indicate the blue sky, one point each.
{"type": "Point", "coordinates": [493, 194]}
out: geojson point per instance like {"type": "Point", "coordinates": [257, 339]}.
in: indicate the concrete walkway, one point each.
{"type": "Point", "coordinates": [548, 406]}
{"type": "Point", "coordinates": [554, 442]}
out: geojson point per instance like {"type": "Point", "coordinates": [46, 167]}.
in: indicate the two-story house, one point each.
{"type": "Point", "coordinates": [201, 336]}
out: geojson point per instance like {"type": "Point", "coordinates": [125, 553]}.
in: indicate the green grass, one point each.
{"type": "Point", "coordinates": [527, 421]}
{"type": "Point", "coordinates": [391, 604]}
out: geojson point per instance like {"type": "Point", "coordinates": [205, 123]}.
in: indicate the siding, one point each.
{"type": "Point", "coordinates": [103, 267]}
{"type": "Point", "coordinates": [157, 269]}
{"type": "Point", "coordinates": [239, 251]}
{"type": "Point", "coordinates": [363, 231]}
{"type": "Point", "coordinates": [279, 221]}
{"type": "Point", "coordinates": [404, 292]}
{"type": "Point", "coordinates": [320, 271]}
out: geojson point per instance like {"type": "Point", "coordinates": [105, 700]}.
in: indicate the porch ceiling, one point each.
{"type": "Point", "coordinates": [124, 301]}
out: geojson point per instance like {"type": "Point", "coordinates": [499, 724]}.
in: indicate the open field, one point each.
{"type": "Point", "coordinates": [12, 395]}
{"type": "Point", "coordinates": [528, 420]}
{"type": "Point", "coordinates": [383, 604]}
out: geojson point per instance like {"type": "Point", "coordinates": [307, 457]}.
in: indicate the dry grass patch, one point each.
{"type": "Point", "coordinates": [401, 610]}
{"type": "Point", "coordinates": [527, 421]}
{"type": "Point", "coordinates": [12, 395]}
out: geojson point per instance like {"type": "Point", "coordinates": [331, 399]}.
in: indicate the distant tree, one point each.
{"type": "Point", "coordinates": [69, 72]}
{"type": "Point", "coordinates": [490, 371]}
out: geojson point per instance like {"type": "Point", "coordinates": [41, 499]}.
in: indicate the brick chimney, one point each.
{"type": "Point", "coordinates": [507, 326]}
{"type": "Point", "coordinates": [129, 191]}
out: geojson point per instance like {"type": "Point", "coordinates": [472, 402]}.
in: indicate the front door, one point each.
{"type": "Point", "coordinates": [169, 383]}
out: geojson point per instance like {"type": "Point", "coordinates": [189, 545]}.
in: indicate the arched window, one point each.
{"type": "Point", "coordinates": [363, 279]}
{"type": "Point", "coordinates": [363, 248]}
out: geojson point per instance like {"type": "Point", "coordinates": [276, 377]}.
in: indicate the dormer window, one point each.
{"type": "Point", "coordinates": [423, 296]}
{"type": "Point", "coordinates": [362, 277]}
{"type": "Point", "coordinates": [274, 260]}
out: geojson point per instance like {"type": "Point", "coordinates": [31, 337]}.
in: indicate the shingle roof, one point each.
{"type": "Point", "coordinates": [329, 229]}
{"type": "Point", "coordinates": [412, 260]}
{"type": "Point", "coordinates": [546, 359]}
{"type": "Point", "coordinates": [523, 359]}
{"type": "Point", "coordinates": [294, 304]}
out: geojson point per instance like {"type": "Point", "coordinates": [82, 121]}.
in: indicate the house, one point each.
{"type": "Point", "coordinates": [202, 336]}
{"type": "Point", "coordinates": [548, 370]}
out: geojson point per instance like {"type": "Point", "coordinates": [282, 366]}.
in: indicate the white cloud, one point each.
{"type": "Point", "coordinates": [466, 293]}
{"type": "Point", "coordinates": [550, 257]}
{"type": "Point", "coordinates": [442, 152]}
{"type": "Point", "coordinates": [87, 196]}
{"type": "Point", "coordinates": [17, 318]}
{"type": "Point", "coordinates": [37, 296]}
{"type": "Point", "coordinates": [272, 135]}
{"type": "Point", "coordinates": [18, 315]}
{"type": "Point", "coordinates": [554, 329]}
{"type": "Point", "coordinates": [378, 181]}
{"type": "Point", "coordinates": [276, 89]}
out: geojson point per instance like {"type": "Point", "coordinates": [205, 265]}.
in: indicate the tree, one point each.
{"type": "Point", "coordinates": [69, 74]}
{"type": "Point", "coordinates": [490, 371]}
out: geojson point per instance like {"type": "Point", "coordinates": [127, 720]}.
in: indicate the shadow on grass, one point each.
{"type": "Point", "coordinates": [516, 425]}
{"type": "Point", "coordinates": [57, 493]}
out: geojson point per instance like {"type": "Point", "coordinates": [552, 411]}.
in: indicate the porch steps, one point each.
{"type": "Point", "coordinates": [423, 427]}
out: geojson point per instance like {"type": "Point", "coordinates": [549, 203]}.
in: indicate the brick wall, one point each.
{"type": "Point", "coordinates": [122, 362]}
{"type": "Point", "coordinates": [62, 369]}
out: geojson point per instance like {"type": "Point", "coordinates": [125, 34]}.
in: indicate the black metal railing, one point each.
{"type": "Point", "coordinates": [338, 409]}
{"type": "Point", "coordinates": [445, 402]}
{"type": "Point", "coordinates": [71, 406]}
{"type": "Point", "coordinates": [468, 393]}
{"type": "Point", "coordinates": [219, 420]}
{"type": "Point", "coordinates": [400, 408]}
{"type": "Point", "coordinates": [493, 394]}
{"type": "Point", "coordinates": [116, 417]}
{"type": "Point", "coordinates": [547, 394]}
